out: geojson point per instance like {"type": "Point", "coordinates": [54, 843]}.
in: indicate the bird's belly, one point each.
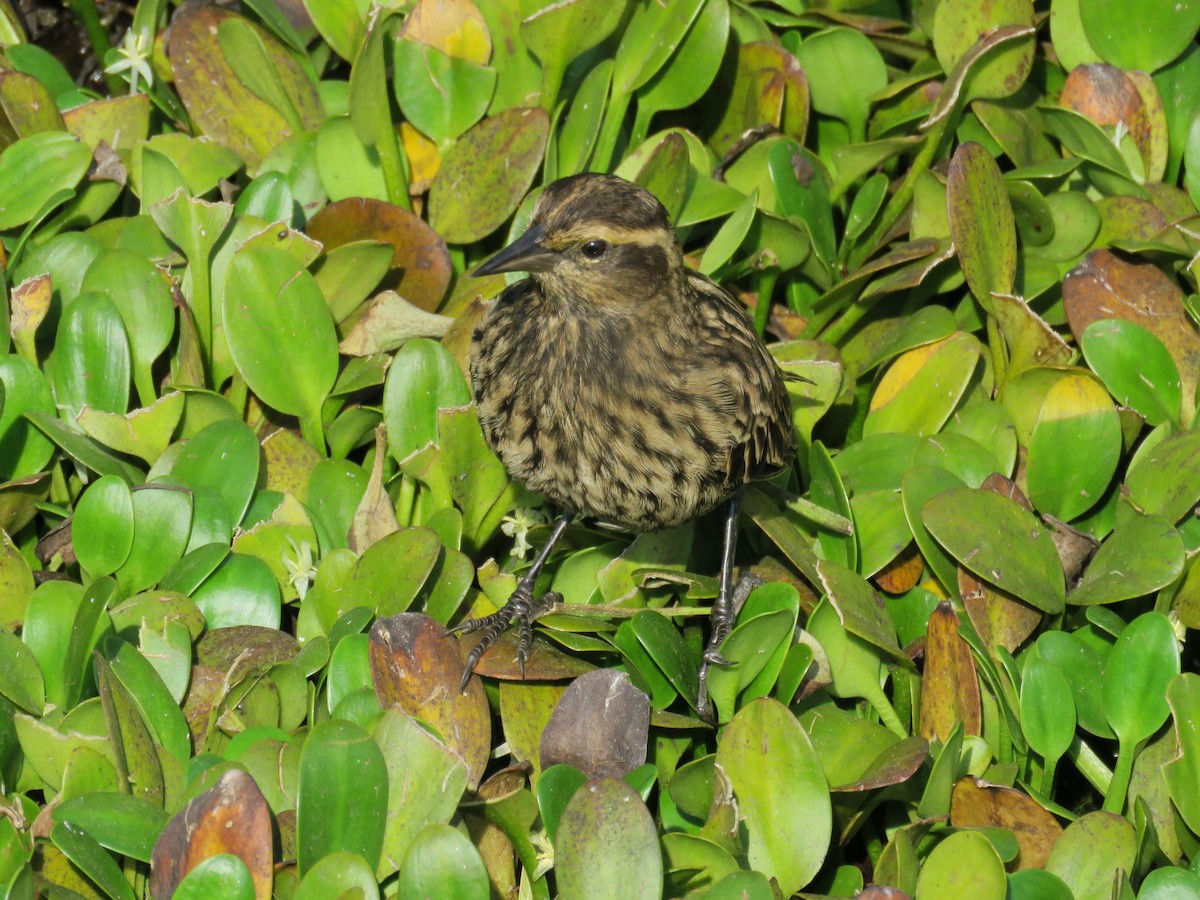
{"type": "Point", "coordinates": [612, 458]}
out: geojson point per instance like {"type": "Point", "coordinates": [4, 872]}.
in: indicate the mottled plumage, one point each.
{"type": "Point", "coordinates": [615, 381]}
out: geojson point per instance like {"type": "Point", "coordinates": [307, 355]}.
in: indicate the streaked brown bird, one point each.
{"type": "Point", "coordinates": [621, 385]}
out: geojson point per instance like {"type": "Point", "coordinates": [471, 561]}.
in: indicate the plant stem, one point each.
{"type": "Point", "coordinates": [1090, 765]}
{"type": "Point", "coordinates": [1114, 797]}
{"type": "Point", "coordinates": [766, 287]}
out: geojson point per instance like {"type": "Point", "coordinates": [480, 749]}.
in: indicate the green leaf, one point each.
{"type": "Point", "coordinates": [423, 378]}
{"type": "Point", "coordinates": [441, 95]}
{"type": "Point", "coordinates": [844, 70]}
{"type": "Point", "coordinates": [102, 530]}
{"type": "Point", "coordinates": [442, 860]}
{"type": "Point", "coordinates": [342, 804]}
{"type": "Point", "coordinates": [1142, 555]}
{"type": "Point", "coordinates": [23, 389]}
{"type": "Point", "coordinates": [1000, 542]}
{"type": "Point", "coordinates": [92, 362]}
{"type": "Point", "coordinates": [34, 169]}
{"type": "Point", "coordinates": [1135, 367]}
{"type": "Point", "coordinates": [968, 851]}
{"type": "Point", "coordinates": [561, 32]}
{"type": "Point", "coordinates": [607, 844]}
{"type": "Point", "coordinates": [1148, 40]}
{"type": "Point", "coordinates": [272, 307]}
{"type": "Point", "coordinates": [783, 800]}
{"type": "Point", "coordinates": [336, 875]}
{"type": "Point", "coordinates": [21, 680]}
{"type": "Point", "coordinates": [123, 823]}
{"type": "Point", "coordinates": [92, 859]}
{"type": "Point", "coordinates": [488, 171]}
{"type": "Point", "coordinates": [223, 875]}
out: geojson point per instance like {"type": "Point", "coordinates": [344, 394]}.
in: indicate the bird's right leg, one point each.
{"type": "Point", "coordinates": [521, 607]}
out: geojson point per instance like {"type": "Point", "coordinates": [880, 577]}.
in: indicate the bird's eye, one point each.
{"type": "Point", "coordinates": [595, 249]}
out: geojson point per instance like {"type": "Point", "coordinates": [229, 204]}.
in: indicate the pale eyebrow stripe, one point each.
{"type": "Point", "coordinates": [645, 237]}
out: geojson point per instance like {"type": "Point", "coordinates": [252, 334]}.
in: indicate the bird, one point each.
{"type": "Point", "coordinates": [622, 386]}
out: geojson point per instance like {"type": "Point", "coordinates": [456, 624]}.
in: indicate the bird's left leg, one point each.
{"type": "Point", "coordinates": [723, 611]}
{"type": "Point", "coordinates": [521, 607]}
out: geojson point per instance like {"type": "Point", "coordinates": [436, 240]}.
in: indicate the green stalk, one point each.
{"type": "Point", "coordinates": [610, 131]}
{"type": "Point", "coordinates": [999, 357]}
{"type": "Point", "coordinates": [766, 287]}
{"type": "Point", "coordinates": [1089, 765]}
{"type": "Point", "coordinates": [1114, 797]}
{"type": "Point", "coordinates": [313, 431]}
{"type": "Point", "coordinates": [406, 500]}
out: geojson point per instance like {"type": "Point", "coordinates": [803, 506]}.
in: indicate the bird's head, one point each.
{"type": "Point", "coordinates": [595, 239]}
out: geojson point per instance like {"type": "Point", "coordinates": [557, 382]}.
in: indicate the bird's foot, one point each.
{"type": "Point", "coordinates": [712, 657]}
{"type": "Point", "coordinates": [521, 608]}
{"type": "Point", "coordinates": [723, 616]}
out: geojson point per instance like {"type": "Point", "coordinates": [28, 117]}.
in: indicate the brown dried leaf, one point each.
{"type": "Point", "coordinates": [375, 517]}
{"type": "Point", "coordinates": [1106, 286]}
{"type": "Point", "coordinates": [999, 617]}
{"type": "Point", "coordinates": [230, 817]}
{"type": "Point", "coordinates": [903, 573]}
{"type": "Point", "coordinates": [977, 804]}
{"type": "Point", "coordinates": [416, 668]}
{"type": "Point", "coordinates": [600, 726]}
{"type": "Point", "coordinates": [1105, 95]}
{"type": "Point", "coordinates": [949, 687]}
{"type": "Point", "coordinates": [420, 269]}
{"type": "Point", "coordinates": [545, 663]}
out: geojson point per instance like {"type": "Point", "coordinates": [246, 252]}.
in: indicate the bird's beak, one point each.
{"type": "Point", "coordinates": [525, 254]}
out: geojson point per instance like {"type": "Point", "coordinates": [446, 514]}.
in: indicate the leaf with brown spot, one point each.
{"type": "Point", "coordinates": [1107, 286]}
{"type": "Point", "coordinates": [1000, 618]}
{"type": "Point", "coordinates": [240, 649]}
{"type": "Point", "coordinates": [138, 765]}
{"type": "Point", "coordinates": [375, 516]}
{"type": "Point", "coordinates": [895, 765]}
{"type": "Point", "coordinates": [1105, 95]}
{"type": "Point", "coordinates": [949, 687]}
{"type": "Point", "coordinates": [769, 88]}
{"type": "Point", "coordinates": [981, 222]}
{"type": "Point", "coordinates": [545, 662]}
{"type": "Point", "coordinates": [223, 107]}
{"type": "Point", "coordinates": [487, 172]}
{"type": "Point", "coordinates": [977, 804]}
{"type": "Point", "coordinates": [1031, 341]}
{"type": "Point", "coordinates": [415, 667]}
{"type": "Point", "coordinates": [420, 267]}
{"type": "Point", "coordinates": [230, 817]}
{"type": "Point", "coordinates": [599, 726]}
{"type": "Point", "coordinates": [289, 461]}
{"type": "Point", "coordinates": [1128, 219]}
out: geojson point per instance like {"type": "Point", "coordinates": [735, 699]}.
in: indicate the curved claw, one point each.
{"type": "Point", "coordinates": [523, 609]}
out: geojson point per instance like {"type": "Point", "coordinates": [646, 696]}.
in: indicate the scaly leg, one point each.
{"type": "Point", "coordinates": [520, 607]}
{"type": "Point", "coordinates": [723, 611]}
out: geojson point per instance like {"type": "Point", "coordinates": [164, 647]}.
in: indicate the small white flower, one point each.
{"type": "Point", "coordinates": [545, 853]}
{"type": "Point", "coordinates": [301, 569]}
{"type": "Point", "coordinates": [518, 525]}
{"type": "Point", "coordinates": [135, 51]}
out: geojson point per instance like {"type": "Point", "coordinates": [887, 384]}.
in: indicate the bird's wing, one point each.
{"type": "Point", "coordinates": [734, 367]}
